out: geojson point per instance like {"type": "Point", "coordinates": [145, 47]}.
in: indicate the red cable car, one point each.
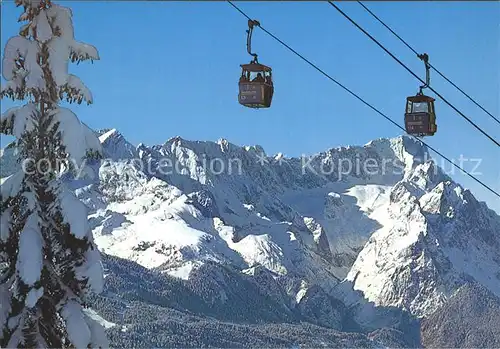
{"type": "Point", "coordinates": [256, 82]}
{"type": "Point", "coordinates": [420, 117]}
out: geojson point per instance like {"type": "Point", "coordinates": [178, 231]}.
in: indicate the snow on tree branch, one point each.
{"type": "Point", "coordinates": [76, 137]}
{"type": "Point", "coordinates": [14, 89]}
{"type": "Point", "coordinates": [43, 30]}
{"type": "Point", "coordinates": [62, 23]}
{"type": "Point", "coordinates": [30, 257]}
{"type": "Point", "coordinates": [76, 326]}
{"type": "Point", "coordinates": [61, 20]}
{"type": "Point", "coordinates": [98, 336]}
{"type": "Point", "coordinates": [33, 296]}
{"type": "Point", "coordinates": [58, 59]}
{"type": "Point", "coordinates": [5, 301]}
{"type": "Point", "coordinates": [82, 52]}
{"type": "Point", "coordinates": [5, 220]}
{"type": "Point", "coordinates": [74, 213]}
{"type": "Point", "coordinates": [93, 270]}
{"type": "Point", "coordinates": [20, 65]}
{"type": "Point", "coordinates": [15, 121]}
{"type": "Point", "coordinates": [16, 51]}
{"type": "Point", "coordinates": [21, 58]}
{"type": "Point", "coordinates": [75, 91]}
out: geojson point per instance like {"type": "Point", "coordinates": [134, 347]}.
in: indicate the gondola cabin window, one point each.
{"type": "Point", "coordinates": [420, 108]}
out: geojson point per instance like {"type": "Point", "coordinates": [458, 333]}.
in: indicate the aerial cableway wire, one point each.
{"type": "Point", "coordinates": [433, 67]}
{"type": "Point", "coordinates": [363, 101]}
{"type": "Point", "coordinates": [412, 73]}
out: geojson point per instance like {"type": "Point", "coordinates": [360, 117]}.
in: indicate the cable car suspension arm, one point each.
{"type": "Point", "coordinates": [425, 58]}
{"type": "Point", "coordinates": [251, 24]}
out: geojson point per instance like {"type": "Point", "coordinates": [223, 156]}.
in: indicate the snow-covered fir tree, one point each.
{"type": "Point", "coordinates": [48, 260]}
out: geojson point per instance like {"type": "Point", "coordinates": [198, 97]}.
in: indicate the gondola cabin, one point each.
{"type": "Point", "coordinates": [255, 86]}
{"type": "Point", "coordinates": [420, 118]}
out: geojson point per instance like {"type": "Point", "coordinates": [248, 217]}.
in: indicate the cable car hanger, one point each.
{"type": "Point", "coordinates": [251, 24]}
{"type": "Point", "coordinates": [425, 57]}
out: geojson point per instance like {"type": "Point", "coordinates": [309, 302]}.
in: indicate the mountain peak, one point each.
{"type": "Point", "coordinates": [115, 146]}
{"type": "Point", "coordinates": [108, 133]}
{"type": "Point", "coordinates": [175, 139]}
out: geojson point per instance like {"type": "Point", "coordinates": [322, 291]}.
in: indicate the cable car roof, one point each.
{"type": "Point", "coordinates": [420, 99]}
{"type": "Point", "coordinates": [255, 67]}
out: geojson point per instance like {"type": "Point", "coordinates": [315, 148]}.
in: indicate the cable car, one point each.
{"type": "Point", "coordinates": [420, 116]}
{"type": "Point", "coordinates": [256, 87]}
{"type": "Point", "coordinates": [420, 119]}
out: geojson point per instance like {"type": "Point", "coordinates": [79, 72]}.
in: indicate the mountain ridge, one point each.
{"type": "Point", "coordinates": [389, 244]}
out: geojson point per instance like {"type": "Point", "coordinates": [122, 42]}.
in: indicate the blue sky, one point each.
{"type": "Point", "coordinates": [171, 68]}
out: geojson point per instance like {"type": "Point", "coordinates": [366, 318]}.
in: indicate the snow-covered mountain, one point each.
{"type": "Point", "coordinates": [440, 238]}
{"type": "Point", "coordinates": [379, 228]}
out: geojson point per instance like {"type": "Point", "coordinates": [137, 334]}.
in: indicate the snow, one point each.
{"type": "Point", "coordinates": [369, 197]}
{"type": "Point", "coordinates": [92, 269]}
{"type": "Point", "coordinates": [118, 148]}
{"type": "Point", "coordinates": [96, 317]}
{"type": "Point", "coordinates": [32, 3]}
{"type": "Point", "coordinates": [11, 185]}
{"type": "Point", "coordinates": [12, 86]}
{"type": "Point", "coordinates": [249, 207]}
{"type": "Point", "coordinates": [256, 250]}
{"type": "Point", "coordinates": [33, 296]}
{"type": "Point", "coordinates": [252, 229]}
{"type": "Point", "coordinates": [182, 272]}
{"type": "Point", "coordinates": [21, 119]}
{"type": "Point", "coordinates": [76, 84]}
{"type": "Point", "coordinates": [387, 241]}
{"type": "Point", "coordinates": [5, 218]}
{"type": "Point", "coordinates": [74, 213]}
{"type": "Point", "coordinates": [84, 51]}
{"type": "Point", "coordinates": [426, 250]}
{"type": "Point", "coordinates": [105, 136]}
{"type": "Point", "coordinates": [76, 325]}
{"type": "Point", "coordinates": [347, 213]}
{"type": "Point", "coordinates": [43, 29]}
{"type": "Point", "coordinates": [5, 296]}
{"type": "Point", "coordinates": [15, 338]}
{"type": "Point", "coordinates": [30, 257]}
{"type": "Point", "coordinates": [148, 229]}
{"type": "Point", "coordinates": [61, 17]}
{"type": "Point", "coordinates": [391, 219]}
{"type": "Point", "coordinates": [302, 291]}
{"type": "Point", "coordinates": [76, 137]}
{"type": "Point", "coordinates": [60, 49]}
{"type": "Point", "coordinates": [58, 59]}
{"type": "Point", "coordinates": [98, 337]}
{"type": "Point", "coordinates": [20, 47]}
{"type": "Point", "coordinates": [35, 77]}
